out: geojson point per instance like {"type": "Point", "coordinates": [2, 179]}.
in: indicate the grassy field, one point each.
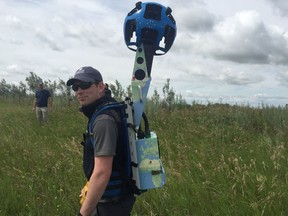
{"type": "Point", "coordinates": [219, 160]}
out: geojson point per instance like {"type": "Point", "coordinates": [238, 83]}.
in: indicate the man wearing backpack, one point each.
{"type": "Point", "coordinates": [108, 194]}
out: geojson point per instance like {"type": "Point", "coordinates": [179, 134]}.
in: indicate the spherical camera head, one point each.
{"type": "Point", "coordinates": [152, 24]}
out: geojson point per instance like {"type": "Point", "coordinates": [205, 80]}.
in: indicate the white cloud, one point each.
{"type": "Point", "coordinates": [48, 39]}
{"type": "Point", "coordinates": [241, 78]}
{"type": "Point", "coordinates": [10, 20]}
{"type": "Point", "coordinates": [283, 78]}
{"type": "Point", "coordinates": [196, 19]}
{"type": "Point", "coordinates": [280, 5]}
{"type": "Point", "coordinates": [215, 55]}
{"type": "Point", "coordinates": [244, 38]}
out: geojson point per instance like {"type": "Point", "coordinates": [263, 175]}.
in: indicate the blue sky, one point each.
{"type": "Point", "coordinates": [224, 51]}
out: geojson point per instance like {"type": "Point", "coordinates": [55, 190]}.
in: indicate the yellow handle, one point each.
{"type": "Point", "coordinates": [83, 193]}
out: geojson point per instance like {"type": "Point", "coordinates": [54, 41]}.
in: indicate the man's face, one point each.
{"type": "Point", "coordinates": [89, 95]}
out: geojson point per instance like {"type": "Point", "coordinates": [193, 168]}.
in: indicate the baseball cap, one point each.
{"type": "Point", "coordinates": [85, 74]}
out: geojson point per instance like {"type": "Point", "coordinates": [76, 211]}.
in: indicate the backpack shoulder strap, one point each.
{"type": "Point", "coordinates": [107, 108]}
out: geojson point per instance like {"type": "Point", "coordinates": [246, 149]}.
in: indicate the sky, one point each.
{"type": "Point", "coordinates": [225, 51]}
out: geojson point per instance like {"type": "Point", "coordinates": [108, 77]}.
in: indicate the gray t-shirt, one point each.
{"type": "Point", "coordinates": [105, 133]}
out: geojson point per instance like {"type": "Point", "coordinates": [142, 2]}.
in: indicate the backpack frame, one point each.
{"type": "Point", "coordinates": [143, 168]}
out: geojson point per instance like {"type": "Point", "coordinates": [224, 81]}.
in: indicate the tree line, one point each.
{"type": "Point", "coordinates": [59, 89]}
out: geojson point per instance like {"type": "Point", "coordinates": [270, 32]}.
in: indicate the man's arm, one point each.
{"type": "Point", "coordinates": [34, 105]}
{"type": "Point", "coordinates": [97, 183]}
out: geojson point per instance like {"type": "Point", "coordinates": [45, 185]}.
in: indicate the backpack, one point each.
{"type": "Point", "coordinates": [143, 168]}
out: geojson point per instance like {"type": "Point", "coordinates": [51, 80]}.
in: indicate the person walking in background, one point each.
{"type": "Point", "coordinates": [106, 193]}
{"type": "Point", "coordinates": [107, 90]}
{"type": "Point", "coordinates": [41, 102]}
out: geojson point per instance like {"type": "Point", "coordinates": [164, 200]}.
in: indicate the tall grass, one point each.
{"type": "Point", "coordinates": [219, 160]}
{"type": "Point", "coordinates": [40, 164]}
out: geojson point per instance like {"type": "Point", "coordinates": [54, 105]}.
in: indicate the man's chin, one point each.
{"type": "Point", "coordinates": [83, 103]}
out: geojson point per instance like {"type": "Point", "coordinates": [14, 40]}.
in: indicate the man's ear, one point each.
{"type": "Point", "coordinates": [101, 86]}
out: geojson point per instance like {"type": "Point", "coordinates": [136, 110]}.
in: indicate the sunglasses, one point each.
{"type": "Point", "coordinates": [82, 85]}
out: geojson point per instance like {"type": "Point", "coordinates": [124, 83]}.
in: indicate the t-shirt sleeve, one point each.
{"type": "Point", "coordinates": [105, 134]}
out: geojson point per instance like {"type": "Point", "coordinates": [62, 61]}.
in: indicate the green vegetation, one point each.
{"type": "Point", "coordinates": [61, 92]}
{"type": "Point", "coordinates": [219, 160]}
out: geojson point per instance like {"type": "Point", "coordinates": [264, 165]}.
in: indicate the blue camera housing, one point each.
{"type": "Point", "coordinates": [150, 23]}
